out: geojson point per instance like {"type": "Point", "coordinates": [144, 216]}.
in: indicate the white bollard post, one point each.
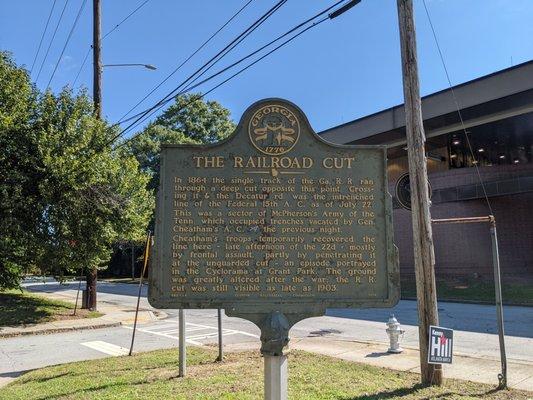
{"type": "Point", "coordinates": [276, 377]}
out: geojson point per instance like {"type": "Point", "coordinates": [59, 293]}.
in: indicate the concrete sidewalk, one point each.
{"type": "Point", "coordinates": [482, 370]}
{"type": "Point", "coordinates": [362, 339]}
{"type": "Point", "coordinates": [114, 315]}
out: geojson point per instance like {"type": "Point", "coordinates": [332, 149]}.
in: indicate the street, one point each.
{"type": "Point", "coordinates": [475, 330]}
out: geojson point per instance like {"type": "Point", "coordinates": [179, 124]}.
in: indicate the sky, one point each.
{"type": "Point", "coordinates": [339, 71]}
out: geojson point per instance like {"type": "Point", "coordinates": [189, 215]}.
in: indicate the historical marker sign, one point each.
{"type": "Point", "coordinates": [274, 224]}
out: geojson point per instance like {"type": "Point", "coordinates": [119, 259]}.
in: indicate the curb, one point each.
{"type": "Point", "coordinates": [480, 302]}
{"type": "Point", "coordinates": [48, 331]}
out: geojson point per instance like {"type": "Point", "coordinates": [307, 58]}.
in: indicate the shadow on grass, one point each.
{"type": "Point", "coordinates": [388, 394]}
{"type": "Point", "coordinates": [406, 391]}
{"type": "Point", "coordinates": [21, 309]}
{"type": "Point", "coordinates": [97, 388]}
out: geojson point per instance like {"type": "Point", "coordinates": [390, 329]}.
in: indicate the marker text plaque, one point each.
{"type": "Point", "coordinates": [273, 220]}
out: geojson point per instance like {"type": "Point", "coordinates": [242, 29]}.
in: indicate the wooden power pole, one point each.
{"type": "Point", "coordinates": [92, 275]}
{"type": "Point", "coordinates": [422, 233]}
{"type": "Point", "coordinates": [97, 62]}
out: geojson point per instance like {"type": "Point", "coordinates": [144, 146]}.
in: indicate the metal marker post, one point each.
{"type": "Point", "coordinates": [146, 253]}
{"type": "Point", "coordinates": [502, 377]}
{"type": "Point", "coordinates": [276, 377]}
{"type": "Point", "coordinates": [499, 310]}
{"type": "Point", "coordinates": [132, 261]}
{"type": "Point", "coordinates": [182, 347]}
{"type": "Point", "coordinates": [220, 343]}
{"type": "Point", "coordinates": [77, 296]}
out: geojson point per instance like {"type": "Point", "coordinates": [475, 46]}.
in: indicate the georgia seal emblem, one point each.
{"type": "Point", "coordinates": [274, 130]}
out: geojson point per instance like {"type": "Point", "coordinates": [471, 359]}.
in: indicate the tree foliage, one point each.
{"type": "Point", "coordinates": [197, 119]}
{"type": "Point", "coordinates": [94, 196]}
{"type": "Point", "coordinates": [189, 120]}
{"type": "Point", "coordinates": [66, 195]}
{"type": "Point", "coordinates": [20, 170]}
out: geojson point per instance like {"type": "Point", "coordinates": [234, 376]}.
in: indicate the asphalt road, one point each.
{"type": "Point", "coordinates": [475, 327]}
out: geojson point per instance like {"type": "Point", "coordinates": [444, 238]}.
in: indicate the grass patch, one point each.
{"type": "Point", "coordinates": [153, 376]}
{"type": "Point", "coordinates": [23, 308]}
{"type": "Point", "coordinates": [483, 292]}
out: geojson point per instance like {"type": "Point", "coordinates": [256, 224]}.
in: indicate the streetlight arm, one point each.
{"type": "Point", "coordinates": [147, 66]}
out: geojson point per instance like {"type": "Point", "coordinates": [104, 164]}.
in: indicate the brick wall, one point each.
{"type": "Point", "coordinates": [465, 250]}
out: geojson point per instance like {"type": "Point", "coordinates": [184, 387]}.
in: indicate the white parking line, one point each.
{"type": "Point", "coordinates": [190, 327]}
{"type": "Point", "coordinates": [106, 348]}
{"type": "Point", "coordinates": [169, 336]}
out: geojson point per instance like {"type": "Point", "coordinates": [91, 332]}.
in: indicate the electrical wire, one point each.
{"type": "Point", "coordinates": [106, 35]}
{"type": "Point", "coordinates": [121, 120]}
{"type": "Point", "coordinates": [233, 76]}
{"type": "Point", "coordinates": [315, 24]}
{"type": "Point", "coordinates": [458, 109]}
{"type": "Point", "coordinates": [193, 86]}
{"type": "Point", "coordinates": [51, 40]}
{"type": "Point", "coordinates": [250, 29]}
{"type": "Point", "coordinates": [82, 65]}
{"type": "Point", "coordinates": [42, 36]}
{"type": "Point", "coordinates": [125, 19]}
{"type": "Point", "coordinates": [82, 6]}
{"type": "Point", "coordinates": [216, 58]}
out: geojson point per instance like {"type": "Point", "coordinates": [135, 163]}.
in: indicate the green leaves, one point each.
{"type": "Point", "coordinates": [65, 196]}
{"type": "Point", "coordinates": [199, 120]}
{"type": "Point", "coordinates": [188, 120]}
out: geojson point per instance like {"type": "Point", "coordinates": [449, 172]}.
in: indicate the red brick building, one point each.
{"type": "Point", "coordinates": [497, 111]}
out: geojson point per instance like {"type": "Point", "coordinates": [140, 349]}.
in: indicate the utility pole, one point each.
{"type": "Point", "coordinates": [422, 233]}
{"type": "Point", "coordinates": [92, 275]}
{"type": "Point", "coordinates": [97, 62]}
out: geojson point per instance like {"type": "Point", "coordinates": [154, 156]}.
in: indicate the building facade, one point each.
{"type": "Point", "coordinates": [497, 149]}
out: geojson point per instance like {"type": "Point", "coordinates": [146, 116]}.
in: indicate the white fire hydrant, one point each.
{"type": "Point", "coordinates": [394, 332]}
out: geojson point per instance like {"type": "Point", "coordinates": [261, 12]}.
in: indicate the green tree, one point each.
{"type": "Point", "coordinates": [93, 195]}
{"type": "Point", "coordinates": [186, 121]}
{"type": "Point", "coordinates": [20, 170]}
{"type": "Point", "coordinates": [65, 195]}
{"type": "Point", "coordinates": [198, 119]}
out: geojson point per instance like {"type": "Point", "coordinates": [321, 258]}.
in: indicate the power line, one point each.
{"type": "Point", "coordinates": [250, 29]}
{"type": "Point", "coordinates": [51, 40]}
{"type": "Point", "coordinates": [193, 86]}
{"type": "Point", "coordinates": [125, 19]}
{"type": "Point", "coordinates": [186, 60]}
{"type": "Point", "coordinates": [220, 54]}
{"type": "Point", "coordinates": [106, 35]}
{"type": "Point", "coordinates": [67, 41]}
{"type": "Point", "coordinates": [42, 36]}
{"type": "Point", "coordinates": [315, 24]}
{"type": "Point", "coordinates": [82, 65]}
{"type": "Point", "coordinates": [235, 74]}
{"type": "Point", "coordinates": [458, 108]}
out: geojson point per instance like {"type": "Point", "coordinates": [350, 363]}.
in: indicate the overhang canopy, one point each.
{"type": "Point", "coordinates": [501, 95]}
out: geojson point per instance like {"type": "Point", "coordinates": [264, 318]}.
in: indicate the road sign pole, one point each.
{"type": "Point", "coordinates": [182, 347]}
{"type": "Point", "coordinates": [276, 377]}
{"type": "Point", "coordinates": [145, 263]}
{"type": "Point", "coordinates": [502, 377]}
{"type": "Point", "coordinates": [499, 310]}
{"type": "Point", "coordinates": [132, 261]}
{"type": "Point", "coordinates": [424, 253]}
{"type": "Point", "coordinates": [220, 342]}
